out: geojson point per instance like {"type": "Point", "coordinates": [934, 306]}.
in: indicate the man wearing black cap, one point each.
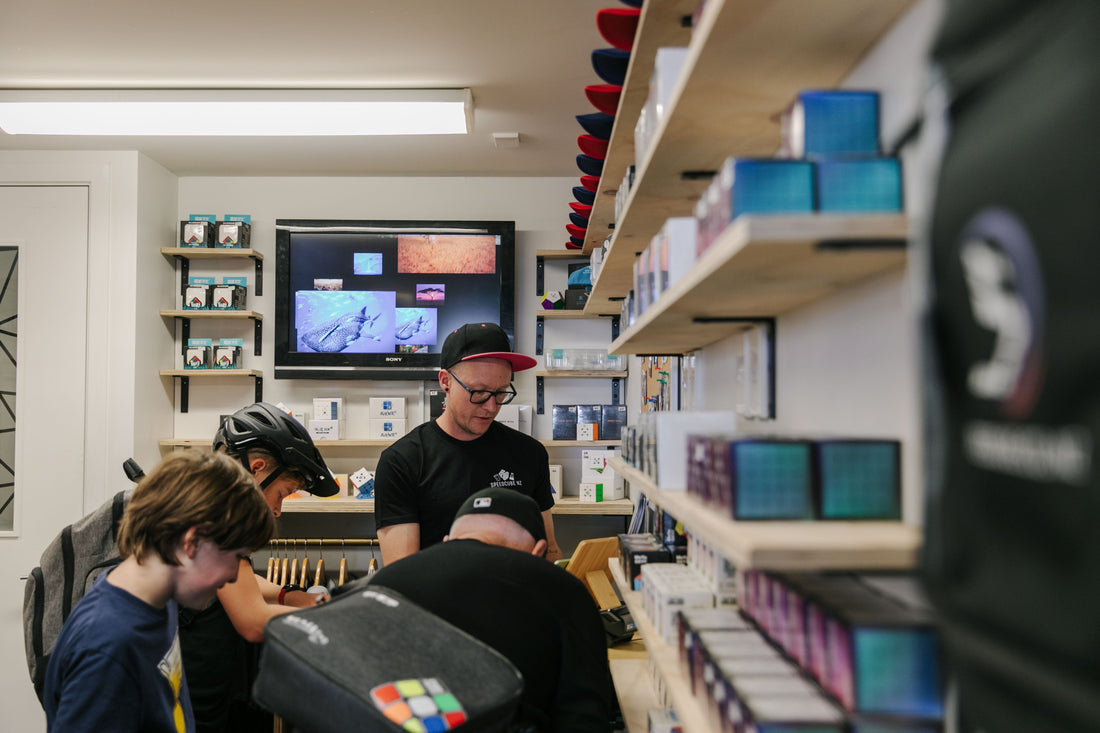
{"type": "Point", "coordinates": [487, 580]}
{"type": "Point", "coordinates": [424, 477]}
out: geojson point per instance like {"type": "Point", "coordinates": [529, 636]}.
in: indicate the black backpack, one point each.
{"type": "Point", "coordinates": [1012, 547]}
{"type": "Point", "coordinates": [68, 567]}
{"type": "Point", "coordinates": [371, 660]}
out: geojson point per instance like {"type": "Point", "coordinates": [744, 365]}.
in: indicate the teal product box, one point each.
{"type": "Point", "coordinates": [197, 355]}
{"type": "Point", "coordinates": [227, 354]}
{"type": "Point", "coordinates": [858, 479]}
{"type": "Point", "coordinates": [770, 479]}
{"type": "Point", "coordinates": [235, 231]}
{"type": "Point", "coordinates": [833, 122]}
{"type": "Point", "coordinates": [230, 295]}
{"type": "Point", "coordinates": [198, 231]}
{"type": "Point", "coordinates": [863, 186]}
{"type": "Point", "coordinates": [198, 293]}
{"type": "Point", "coordinates": [766, 186]}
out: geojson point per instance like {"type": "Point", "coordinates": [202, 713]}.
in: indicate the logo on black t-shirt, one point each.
{"type": "Point", "coordinates": [503, 478]}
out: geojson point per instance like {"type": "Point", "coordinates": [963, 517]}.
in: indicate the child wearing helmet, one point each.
{"type": "Point", "coordinates": [220, 644]}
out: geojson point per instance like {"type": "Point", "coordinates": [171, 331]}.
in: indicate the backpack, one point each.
{"type": "Point", "coordinates": [68, 567]}
{"type": "Point", "coordinates": [371, 660]}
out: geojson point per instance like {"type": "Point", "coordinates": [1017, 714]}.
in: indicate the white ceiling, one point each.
{"type": "Point", "coordinates": [526, 62]}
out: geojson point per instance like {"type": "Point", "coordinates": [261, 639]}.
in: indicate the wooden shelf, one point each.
{"type": "Point", "coordinates": [214, 314]}
{"type": "Point", "coordinates": [581, 443]}
{"type": "Point", "coordinates": [573, 505]}
{"type": "Point", "coordinates": [335, 505]}
{"type": "Point", "coordinates": [792, 546]}
{"type": "Point", "coordinates": [345, 505]}
{"type": "Point", "coordinates": [210, 373]}
{"type": "Point", "coordinates": [660, 25]}
{"type": "Point", "coordinates": [212, 253]}
{"type": "Point", "coordinates": [565, 314]}
{"type": "Point", "coordinates": [321, 444]}
{"type": "Point", "coordinates": [747, 61]}
{"type": "Point", "coordinates": [581, 374]}
{"type": "Point", "coordinates": [692, 717]}
{"type": "Point", "coordinates": [561, 254]}
{"type": "Point", "coordinates": [763, 266]}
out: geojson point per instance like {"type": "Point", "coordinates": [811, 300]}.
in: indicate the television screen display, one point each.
{"type": "Point", "coordinates": [375, 299]}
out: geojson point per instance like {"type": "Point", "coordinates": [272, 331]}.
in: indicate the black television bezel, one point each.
{"type": "Point", "coordinates": [293, 365]}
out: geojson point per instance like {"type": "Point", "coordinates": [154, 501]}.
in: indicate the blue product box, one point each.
{"type": "Point", "coordinates": [858, 479]}
{"type": "Point", "coordinates": [564, 422]}
{"type": "Point", "coordinates": [770, 186]}
{"type": "Point", "coordinates": [198, 293]}
{"type": "Point", "coordinates": [197, 355]}
{"type": "Point", "coordinates": [834, 122]}
{"type": "Point", "coordinates": [198, 230]}
{"type": "Point", "coordinates": [771, 479]}
{"type": "Point", "coordinates": [869, 185]}
{"type": "Point", "coordinates": [613, 418]}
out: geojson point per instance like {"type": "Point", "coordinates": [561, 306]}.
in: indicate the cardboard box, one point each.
{"type": "Point", "coordinates": [328, 408]}
{"type": "Point", "coordinates": [387, 407]}
{"type": "Point", "coordinates": [555, 480]}
{"type": "Point", "coordinates": [386, 428]}
{"type": "Point", "coordinates": [324, 429]}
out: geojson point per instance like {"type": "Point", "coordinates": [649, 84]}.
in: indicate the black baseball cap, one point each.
{"type": "Point", "coordinates": [481, 341]}
{"type": "Point", "coordinates": [509, 504]}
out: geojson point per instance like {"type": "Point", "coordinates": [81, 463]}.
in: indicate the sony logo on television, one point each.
{"type": "Point", "coordinates": [394, 358]}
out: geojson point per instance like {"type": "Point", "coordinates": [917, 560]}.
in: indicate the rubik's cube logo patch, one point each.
{"type": "Point", "coordinates": [419, 706]}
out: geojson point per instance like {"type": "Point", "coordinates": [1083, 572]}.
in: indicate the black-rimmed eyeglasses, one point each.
{"type": "Point", "coordinates": [481, 396]}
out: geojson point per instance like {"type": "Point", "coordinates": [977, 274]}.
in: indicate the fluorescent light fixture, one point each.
{"type": "Point", "coordinates": [253, 112]}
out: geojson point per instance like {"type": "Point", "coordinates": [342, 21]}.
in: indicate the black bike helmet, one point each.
{"type": "Point", "coordinates": [265, 426]}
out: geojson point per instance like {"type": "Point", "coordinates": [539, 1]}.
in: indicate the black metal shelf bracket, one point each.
{"type": "Point", "coordinates": [540, 395]}
{"type": "Point", "coordinates": [540, 329]}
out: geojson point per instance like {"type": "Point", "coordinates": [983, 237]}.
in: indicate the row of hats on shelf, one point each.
{"type": "Point", "coordinates": [617, 26]}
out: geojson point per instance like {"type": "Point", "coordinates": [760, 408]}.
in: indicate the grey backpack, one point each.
{"type": "Point", "coordinates": [67, 568]}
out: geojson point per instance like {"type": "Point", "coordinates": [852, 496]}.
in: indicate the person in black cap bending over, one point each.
{"type": "Point", "coordinates": [424, 477]}
{"type": "Point", "coordinates": [486, 578]}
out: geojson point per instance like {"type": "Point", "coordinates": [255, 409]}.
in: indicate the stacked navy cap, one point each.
{"type": "Point", "coordinates": [617, 26]}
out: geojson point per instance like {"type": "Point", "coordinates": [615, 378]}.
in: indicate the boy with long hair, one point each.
{"type": "Point", "coordinates": [116, 665]}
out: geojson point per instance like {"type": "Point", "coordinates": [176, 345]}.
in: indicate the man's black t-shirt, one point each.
{"type": "Point", "coordinates": [425, 476]}
{"type": "Point", "coordinates": [534, 613]}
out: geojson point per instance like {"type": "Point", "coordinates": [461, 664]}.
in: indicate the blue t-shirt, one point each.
{"type": "Point", "coordinates": [117, 666]}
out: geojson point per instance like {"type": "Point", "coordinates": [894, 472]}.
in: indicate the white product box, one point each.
{"type": "Point", "coordinates": [524, 419]}
{"type": "Point", "coordinates": [555, 480]}
{"type": "Point", "coordinates": [591, 491]}
{"type": "Point", "coordinates": [387, 407]}
{"type": "Point", "coordinates": [594, 468]}
{"type": "Point", "coordinates": [328, 408]}
{"type": "Point", "coordinates": [324, 429]}
{"type": "Point", "coordinates": [676, 250]}
{"type": "Point", "coordinates": [587, 431]}
{"type": "Point", "coordinates": [386, 428]}
{"type": "Point", "coordinates": [667, 65]}
{"type": "Point", "coordinates": [509, 415]}
{"type": "Point", "coordinates": [670, 436]}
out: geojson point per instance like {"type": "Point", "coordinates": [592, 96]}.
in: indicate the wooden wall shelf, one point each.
{"type": "Point", "coordinates": [764, 266]}
{"type": "Point", "coordinates": [566, 505]}
{"type": "Point", "coordinates": [791, 546]}
{"type": "Point", "coordinates": [747, 61]}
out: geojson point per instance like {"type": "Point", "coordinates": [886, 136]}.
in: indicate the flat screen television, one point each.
{"type": "Point", "coordinates": [366, 299]}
